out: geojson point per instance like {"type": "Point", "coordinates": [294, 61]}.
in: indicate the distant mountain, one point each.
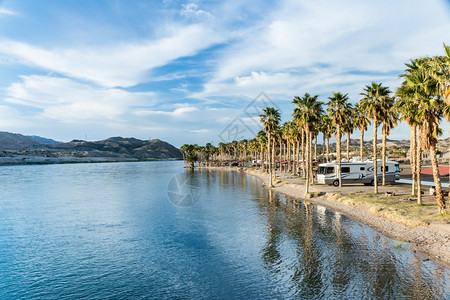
{"type": "Point", "coordinates": [124, 147]}
{"type": "Point", "coordinates": [15, 141]}
{"type": "Point", "coordinates": [46, 140]}
{"type": "Point", "coordinates": [114, 147]}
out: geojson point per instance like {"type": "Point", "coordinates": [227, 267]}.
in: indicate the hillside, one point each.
{"type": "Point", "coordinates": [123, 147]}
{"type": "Point", "coordinates": [13, 144]}
{"type": "Point", "coordinates": [15, 141]}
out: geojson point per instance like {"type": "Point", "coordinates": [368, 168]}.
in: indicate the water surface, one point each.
{"type": "Point", "coordinates": [109, 231]}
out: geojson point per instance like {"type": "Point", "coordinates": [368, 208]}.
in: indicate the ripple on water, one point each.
{"type": "Point", "coordinates": [110, 231]}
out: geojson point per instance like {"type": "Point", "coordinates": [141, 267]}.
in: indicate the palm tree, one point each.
{"type": "Point", "coordinates": [270, 120]}
{"type": "Point", "coordinates": [287, 131]}
{"type": "Point", "coordinates": [275, 139]}
{"type": "Point", "coordinates": [371, 102]}
{"type": "Point", "coordinates": [191, 158]}
{"type": "Point", "coordinates": [309, 111]}
{"type": "Point", "coordinates": [408, 106]}
{"type": "Point", "coordinates": [183, 150]}
{"type": "Point", "coordinates": [338, 110]}
{"type": "Point", "coordinates": [389, 118]}
{"type": "Point", "coordinates": [430, 107]}
{"type": "Point", "coordinates": [253, 146]}
{"type": "Point", "coordinates": [441, 73]}
{"type": "Point", "coordinates": [327, 129]}
{"type": "Point", "coordinates": [296, 134]}
{"type": "Point", "coordinates": [262, 139]}
{"type": "Point", "coordinates": [348, 127]}
{"type": "Point", "coordinates": [243, 147]}
{"type": "Point", "coordinates": [361, 121]}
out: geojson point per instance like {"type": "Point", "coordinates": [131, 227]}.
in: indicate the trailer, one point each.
{"type": "Point", "coordinates": [357, 172]}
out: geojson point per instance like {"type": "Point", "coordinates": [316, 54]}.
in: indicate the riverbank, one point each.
{"type": "Point", "coordinates": [41, 160]}
{"type": "Point", "coordinates": [431, 240]}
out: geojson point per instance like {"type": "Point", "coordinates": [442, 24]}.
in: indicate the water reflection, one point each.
{"type": "Point", "coordinates": [319, 254]}
{"type": "Point", "coordinates": [110, 231]}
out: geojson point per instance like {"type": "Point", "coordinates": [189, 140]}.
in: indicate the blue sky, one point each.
{"type": "Point", "coordinates": [188, 71]}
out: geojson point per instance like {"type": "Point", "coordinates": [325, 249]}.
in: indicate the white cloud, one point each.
{"type": "Point", "coordinates": [200, 131]}
{"type": "Point", "coordinates": [66, 100]}
{"type": "Point", "coordinates": [119, 65]}
{"type": "Point", "coordinates": [305, 46]}
{"type": "Point", "coordinates": [4, 11]}
{"type": "Point", "coordinates": [192, 10]}
{"type": "Point", "coordinates": [181, 110]}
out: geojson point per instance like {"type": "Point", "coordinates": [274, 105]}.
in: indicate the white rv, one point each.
{"type": "Point", "coordinates": [356, 172]}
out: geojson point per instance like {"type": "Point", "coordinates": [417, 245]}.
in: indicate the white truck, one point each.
{"type": "Point", "coordinates": [357, 172]}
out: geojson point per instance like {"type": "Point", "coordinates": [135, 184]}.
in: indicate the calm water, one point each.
{"type": "Point", "coordinates": [108, 231]}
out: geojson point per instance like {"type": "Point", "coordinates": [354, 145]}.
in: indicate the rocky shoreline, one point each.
{"type": "Point", "coordinates": [432, 241]}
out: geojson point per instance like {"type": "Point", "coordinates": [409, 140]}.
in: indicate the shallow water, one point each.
{"type": "Point", "coordinates": [155, 230]}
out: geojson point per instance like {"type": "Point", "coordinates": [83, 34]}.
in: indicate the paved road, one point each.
{"type": "Point", "coordinates": [406, 177]}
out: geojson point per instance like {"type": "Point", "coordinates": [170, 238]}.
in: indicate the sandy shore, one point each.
{"type": "Point", "coordinates": [432, 241]}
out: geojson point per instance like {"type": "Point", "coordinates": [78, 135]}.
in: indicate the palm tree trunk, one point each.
{"type": "Point", "coordinates": [261, 157]}
{"type": "Point", "coordinates": [412, 156]}
{"type": "Point", "coordinates": [418, 169]}
{"type": "Point", "coordinates": [315, 147]}
{"type": "Point", "coordinates": [437, 179]}
{"type": "Point", "coordinates": [323, 148]}
{"type": "Point", "coordinates": [308, 152]}
{"type": "Point", "coordinates": [288, 156]}
{"type": "Point", "coordinates": [361, 144]}
{"type": "Point", "coordinates": [383, 155]}
{"type": "Point", "coordinates": [310, 157]}
{"type": "Point", "coordinates": [268, 157]}
{"type": "Point", "coordinates": [338, 152]}
{"type": "Point", "coordinates": [328, 149]}
{"type": "Point", "coordinates": [303, 154]}
{"type": "Point", "coordinates": [348, 146]}
{"type": "Point", "coordinates": [375, 173]}
{"type": "Point", "coordinates": [298, 158]}
{"type": "Point", "coordinates": [274, 161]}
{"type": "Point", "coordinates": [292, 160]}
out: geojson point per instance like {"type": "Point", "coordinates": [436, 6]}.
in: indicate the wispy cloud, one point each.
{"type": "Point", "coordinates": [181, 111]}
{"type": "Point", "coordinates": [318, 45]}
{"type": "Point", "coordinates": [66, 100]}
{"type": "Point", "coordinates": [195, 66]}
{"type": "Point", "coordinates": [121, 65]}
{"type": "Point", "coordinates": [4, 11]}
{"type": "Point", "coordinates": [192, 10]}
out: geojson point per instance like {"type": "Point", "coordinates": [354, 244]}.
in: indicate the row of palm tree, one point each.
{"type": "Point", "coordinates": [422, 100]}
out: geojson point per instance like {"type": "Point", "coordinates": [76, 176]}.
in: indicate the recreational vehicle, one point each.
{"type": "Point", "coordinates": [356, 172]}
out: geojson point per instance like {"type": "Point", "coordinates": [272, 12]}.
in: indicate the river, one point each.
{"type": "Point", "coordinates": [154, 230]}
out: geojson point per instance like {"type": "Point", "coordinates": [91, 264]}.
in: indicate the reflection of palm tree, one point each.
{"type": "Point", "coordinates": [271, 254]}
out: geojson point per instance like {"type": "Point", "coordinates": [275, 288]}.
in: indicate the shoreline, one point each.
{"type": "Point", "coordinates": [40, 160]}
{"type": "Point", "coordinates": [431, 241]}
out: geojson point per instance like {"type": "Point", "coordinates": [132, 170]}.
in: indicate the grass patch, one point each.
{"type": "Point", "coordinates": [399, 244]}
{"type": "Point", "coordinates": [313, 194]}
{"type": "Point", "coordinates": [445, 217]}
{"type": "Point", "coordinates": [395, 209]}
{"type": "Point", "coordinates": [334, 196]}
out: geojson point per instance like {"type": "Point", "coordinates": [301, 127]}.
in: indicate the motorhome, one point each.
{"type": "Point", "coordinates": [357, 172]}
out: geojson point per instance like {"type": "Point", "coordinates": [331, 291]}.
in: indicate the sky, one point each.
{"type": "Point", "coordinates": [198, 71]}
